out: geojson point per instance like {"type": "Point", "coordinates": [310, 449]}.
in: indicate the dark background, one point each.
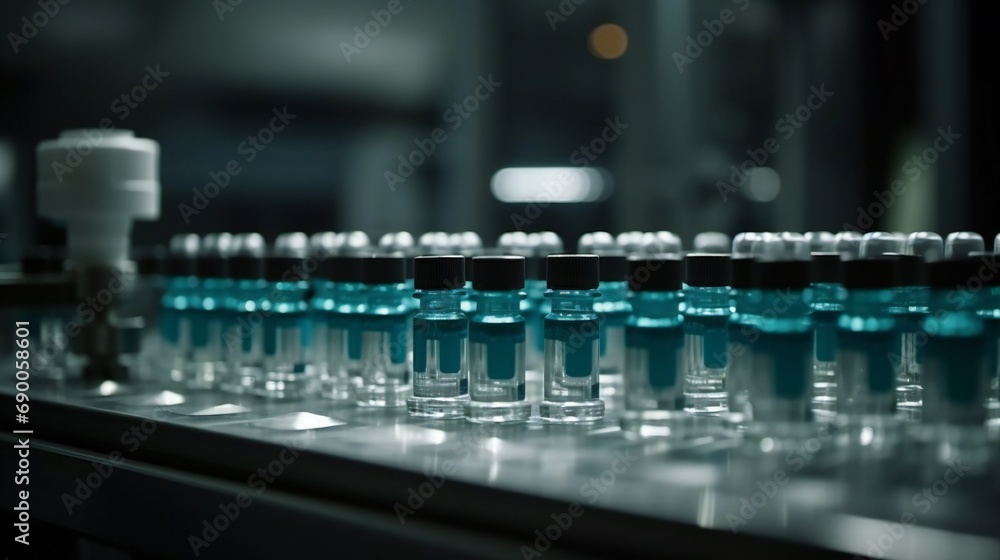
{"type": "Point", "coordinates": [326, 170]}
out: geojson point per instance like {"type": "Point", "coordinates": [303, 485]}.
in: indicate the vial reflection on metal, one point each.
{"type": "Point", "coordinates": [385, 337]}
{"type": "Point", "coordinates": [707, 308]}
{"type": "Point", "coordinates": [654, 340]}
{"type": "Point", "coordinates": [571, 384]}
{"type": "Point", "coordinates": [440, 339]}
{"type": "Point", "coordinates": [497, 342]}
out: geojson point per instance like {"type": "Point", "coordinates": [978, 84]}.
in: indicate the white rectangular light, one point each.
{"type": "Point", "coordinates": [550, 184]}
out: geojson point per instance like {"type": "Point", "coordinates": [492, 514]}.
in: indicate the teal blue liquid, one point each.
{"type": "Point", "coordinates": [868, 340]}
{"type": "Point", "coordinates": [572, 339]}
{"type": "Point", "coordinates": [577, 337]}
{"type": "Point", "coordinates": [534, 309]}
{"type": "Point", "coordinates": [344, 326]}
{"type": "Point", "coordinates": [826, 340]}
{"type": "Point", "coordinates": [790, 353]}
{"type": "Point", "coordinates": [706, 317]}
{"type": "Point", "coordinates": [287, 330]}
{"type": "Point", "coordinates": [661, 345]}
{"type": "Point", "coordinates": [613, 308]}
{"type": "Point", "coordinates": [956, 346]}
{"type": "Point", "coordinates": [387, 313]}
{"type": "Point", "coordinates": [440, 341]}
{"type": "Point", "coordinates": [781, 382]}
{"type": "Point", "coordinates": [501, 341]}
{"type": "Point", "coordinates": [448, 334]}
{"type": "Point", "coordinates": [828, 304]}
{"type": "Point", "coordinates": [176, 304]}
{"type": "Point", "coordinates": [743, 335]}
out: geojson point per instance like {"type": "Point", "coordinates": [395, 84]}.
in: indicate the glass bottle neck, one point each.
{"type": "Point", "coordinates": [499, 303]}
{"type": "Point", "coordinates": [706, 298]}
{"type": "Point", "coordinates": [440, 300]}
{"type": "Point", "coordinates": [572, 301]}
{"type": "Point", "coordinates": [383, 294]}
{"type": "Point", "coordinates": [656, 305]}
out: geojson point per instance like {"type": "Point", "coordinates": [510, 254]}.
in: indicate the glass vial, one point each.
{"type": "Point", "coordinates": [248, 306]}
{"type": "Point", "coordinates": [654, 347]}
{"type": "Point", "coordinates": [956, 381]}
{"type": "Point", "coordinates": [209, 314]}
{"type": "Point", "coordinates": [571, 384]}
{"type": "Point", "coordinates": [440, 339]}
{"type": "Point", "coordinates": [613, 308]}
{"type": "Point", "coordinates": [868, 338]}
{"type": "Point", "coordinates": [497, 342]}
{"type": "Point", "coordinates": [828, 300]}
{"type": "Point", "coordinates": [176, 315]}
{"type": "Point", "coordinates": [344, 310]}
{"type": "Point", "coordinates": [781, 379]}
{"type": "Point", "coordinates": [385, 372]}
{"type": "Point", "coordinates": [706, 331]}
{"type": "Point", "coordinates": [743, 331]}
{"type": "Point", "coordinates": [286, 326]}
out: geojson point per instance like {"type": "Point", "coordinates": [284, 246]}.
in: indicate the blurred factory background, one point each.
{"type": "Point", "coordinates": [664, 95]}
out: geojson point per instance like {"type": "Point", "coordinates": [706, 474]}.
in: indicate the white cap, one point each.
{"type": "Point", "coordinates": [98, 182]}
{"type": "Point", "coordinates": [960, 243]}
{"type": "Point", "coordinates": [662, 242]}
{"type": "Point", "coordinates": [848, 244]}
{"type": "Point", "coordinates": [878, 243]}
{"type": "Point", "coordinates": [352, 243]}
{"type": "Point", "coordinates": [821, 241]}
{"type": "Point", "coordinates": [743, 243]}
{"type": "Point", "coordinates": [712, 242]}
{"type": "Point", "coordinates": [596, 241]}
{"type": "Point", "coordinates": [926, 244]}
{"type": "Point", "coordinates": [630, 241]}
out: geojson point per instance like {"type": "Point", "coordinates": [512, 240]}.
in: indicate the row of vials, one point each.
{"type": "Point", "coordinates": [768, 333]}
